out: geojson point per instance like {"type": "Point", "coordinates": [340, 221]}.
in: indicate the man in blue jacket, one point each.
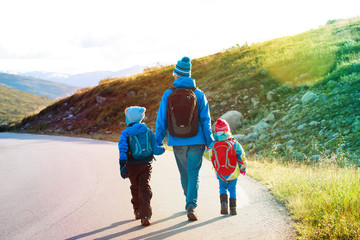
{"type": "Point", "coordinates": [188, 151]}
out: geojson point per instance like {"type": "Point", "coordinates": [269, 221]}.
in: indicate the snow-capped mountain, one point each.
{"type": "Point", "coordinates": [88, 79]}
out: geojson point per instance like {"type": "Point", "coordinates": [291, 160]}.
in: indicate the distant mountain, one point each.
{"type": "Point", "coordinates": [15, 105]}
{"type": "Point", "coordinates": [36, 86]}
{"type": "Point", "coordinates": [88, 79]}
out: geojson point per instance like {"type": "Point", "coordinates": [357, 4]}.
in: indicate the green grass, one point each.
{"type": "Point", "coordinates": [15, 105]}
{"type": "Point", "coordinates": [323, 200]}
{"type": "Point", "coordinates": [316, 177]}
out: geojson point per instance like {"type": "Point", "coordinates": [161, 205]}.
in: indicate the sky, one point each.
{"type": "Point", "coordinates": [76, 36]}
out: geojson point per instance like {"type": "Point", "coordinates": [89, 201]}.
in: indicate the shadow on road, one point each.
{"type": "Point", "coordinates": [163, 233]}
{"type": "Point", "coordinates": [178, 228]}
{"type": "Point", "coordinates": [114, 225]}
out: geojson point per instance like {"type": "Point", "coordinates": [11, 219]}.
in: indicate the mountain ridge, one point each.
{"type": "Point", "coordinates": [36, 86]}
{"type": "Point", "coordinates": [26, 104]}
{"type": "Point", "coordinates": [84, 79]}
{"type": "Point", "coordinates": [298, 95]}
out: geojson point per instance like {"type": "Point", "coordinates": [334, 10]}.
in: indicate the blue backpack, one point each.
{"type": "Point", "coordinates": [141, 145]}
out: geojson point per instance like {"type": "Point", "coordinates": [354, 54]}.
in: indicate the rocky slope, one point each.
{"type": "Point", "coordinates": [296, 97]}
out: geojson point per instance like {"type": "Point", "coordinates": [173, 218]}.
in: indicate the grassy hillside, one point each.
{"type": "Point", "coordinates": [15, 105]}
{"type": "Point", "coordinates": [265, 82]}
{"type": "Point", "coordinates": [36, 86]}
{"type": "Point", "coordinates": [300, 101]}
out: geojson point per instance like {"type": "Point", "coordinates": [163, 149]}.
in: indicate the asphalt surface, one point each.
{"type": "Point", "coordinates": [70, 188]}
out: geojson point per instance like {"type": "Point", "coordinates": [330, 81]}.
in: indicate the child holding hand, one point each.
{"type": "Point", "coordinates": [136, 148]}
{"type": "Point", "coordinates": [229, 161]}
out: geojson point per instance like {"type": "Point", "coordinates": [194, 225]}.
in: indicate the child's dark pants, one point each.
{"type": "Point", "coordinates": [139, 176]}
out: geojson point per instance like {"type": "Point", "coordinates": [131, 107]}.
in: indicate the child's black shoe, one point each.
{"type": "Point", "coordinates": [137, 215]}
{"type": "Point", "coordinates": [145, 221]}
{"type": "Point", "coordinates": [224, 204]}
{"type": "Point", "coordinates": [233, 206]}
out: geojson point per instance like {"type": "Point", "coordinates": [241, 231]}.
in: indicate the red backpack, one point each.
{"type": "Point", "coordinates": [224, 158]}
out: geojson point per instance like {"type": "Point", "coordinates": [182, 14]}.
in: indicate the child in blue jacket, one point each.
{"type": "Point", "coordinates": [138, 171]}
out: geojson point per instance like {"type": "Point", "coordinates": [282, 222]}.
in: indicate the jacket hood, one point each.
{"type": "Point", "coordinates": [221, 136]}
{"type": "Point", "coordinates": [184, 82]}
{"type": "Point", "coordinates": [136, 128]}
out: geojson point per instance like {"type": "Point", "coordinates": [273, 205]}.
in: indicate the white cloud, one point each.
{"type": "Point", "coordinates": [75, 36]}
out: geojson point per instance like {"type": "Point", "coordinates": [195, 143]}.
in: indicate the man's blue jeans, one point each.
{"type": "Point", "coordinates": [189, 161]}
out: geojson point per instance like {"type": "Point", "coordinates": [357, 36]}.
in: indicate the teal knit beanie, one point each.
{"type": "Point", "coordinates": [134, 114]}
{"type": "Point", "coordinates": [183, 67]}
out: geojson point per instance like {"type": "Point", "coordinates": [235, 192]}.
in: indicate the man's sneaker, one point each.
{"type": "Point", "coordinates": [145, 221]}
{"type": "Point", "coordinates": [191, 214]}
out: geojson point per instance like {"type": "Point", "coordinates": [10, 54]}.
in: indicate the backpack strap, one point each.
{"type": "Point", "coordinates": [138, 146]}
{"type": "Point", "coordinates": [231, 148]}
{"type": "Point", "coordinates": [148, 137]}
{"type": "Point", "coordinates": [217, 159]}
{"type": "Point", "coordinates": [222, 177]}
{"type": "Point", "coordinates": [174, 88]}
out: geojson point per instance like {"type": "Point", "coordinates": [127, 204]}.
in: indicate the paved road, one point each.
{"type": "Point", "coordinates": [70, 188]}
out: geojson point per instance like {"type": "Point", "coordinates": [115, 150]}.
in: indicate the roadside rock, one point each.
{"type": "Point", "coordinates": [100, 99]}
{"type": "Point", "coordinates": [308, 97]}
{"type": "Point", "coordinates": [314, 123]}
{"type": "Point", "coordinates": [331, 84]}
{"type": "Point", "coordinates": [223, 103]}
{"type": "Point", "coordinates": [233, 118]}
{"type": "Point", "coordinates": [294, 108]}
{"type": "Point", "coordinates": [290, 142]}
{"type": "Point", "coordinates": [251, 137]}
{"type": "Point", "coordinates": [130, 94]}
{"type": "Point", "coordinates": [277, 145]}
{"type": "Point", "coordinates": [263, 136]}
{"type": "Point", "coordinates": [273, 104]}
{"type": "Point", "coordinates": [261, 126]}
{"type": "Point", "coordinates": [269, 96]}
{"type": "Point", "coordinates": [269, 118]}
{"type": "Point", "coordinates": [289, 135]}
{"type": "Point", "coordinates": [255, 102]}
{"type": "Point", "coordinates": [241, 138]}
{"type": "Point", "coordinates": [302, 126]}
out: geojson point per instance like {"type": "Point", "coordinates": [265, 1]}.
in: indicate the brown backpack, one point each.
{"type": "Point", "coordinates": [181, 113]}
